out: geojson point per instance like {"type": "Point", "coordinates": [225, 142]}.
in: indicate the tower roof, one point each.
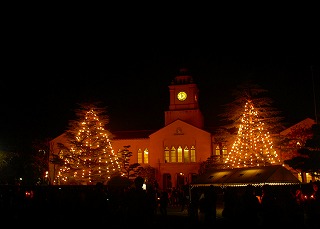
{"type": "Point", "coordinates": [183, 78]}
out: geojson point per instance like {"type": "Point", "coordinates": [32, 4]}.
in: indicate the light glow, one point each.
{"type": "Point", "coordinates": [90, 158]}
{"type": "Point", "coordinates": [253, 146]}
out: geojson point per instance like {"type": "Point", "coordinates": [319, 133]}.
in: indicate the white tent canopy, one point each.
{"type": "Point", "coordinates": [274, 175]}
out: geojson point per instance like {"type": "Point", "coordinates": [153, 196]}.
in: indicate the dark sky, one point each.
{"type": "Point", "coordinates": [45, 75]}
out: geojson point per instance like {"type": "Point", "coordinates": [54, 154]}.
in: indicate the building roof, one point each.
{"type": "Point", "coordinates": [132, 134]}
{"type": "Point", "coordinates": [306, 123]}
{"type": "Point", "coordinates": [275, 174]}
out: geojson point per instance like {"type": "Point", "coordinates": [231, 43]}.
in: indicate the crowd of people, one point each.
{"type": "Point", "coordinates": [138, 205]}
{"type": "Point", "coordinates": [133, 204]}
{"type": "Point", "coordinates": [272, 205]}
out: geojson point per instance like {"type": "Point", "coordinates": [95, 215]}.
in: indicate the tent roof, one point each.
{"type": "Point", "coordinates": [276, 175]}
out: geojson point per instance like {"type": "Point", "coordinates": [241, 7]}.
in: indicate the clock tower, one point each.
{"type": "Point", "coordinates": [184, 101]}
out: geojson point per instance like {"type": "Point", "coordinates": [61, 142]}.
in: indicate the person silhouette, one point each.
{"type": "Point", "coordinates": [313, 205]}
{"type": "Point", "coordinates": [137, 201]}
{"type": "Point", "coordinates": [163, 203]}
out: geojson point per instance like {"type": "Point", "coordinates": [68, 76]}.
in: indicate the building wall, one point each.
{"type": "Point", "coordinates": [176, 134]}
{"type": "Point", "coordinates": [293, 138]}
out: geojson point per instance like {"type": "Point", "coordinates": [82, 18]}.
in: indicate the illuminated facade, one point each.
{"type": "Point", "coordinates": [177, 149]}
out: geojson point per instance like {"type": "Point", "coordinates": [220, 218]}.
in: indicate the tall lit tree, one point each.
{"type": "Point", "coordinates": [253, 145]}
{"type": "Point", "coordinates": [88, 156]}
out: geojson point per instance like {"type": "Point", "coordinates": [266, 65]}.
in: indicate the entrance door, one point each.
{"type": "Point", "coordinates": [180, 180]}
{"type": "Point", "coordinates": [167, 183]}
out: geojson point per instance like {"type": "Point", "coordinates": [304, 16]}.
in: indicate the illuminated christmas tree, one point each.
{"type": "Point", "coordinates": [88, 156]}
{"type": "Point", "coordinates": [253, 145]}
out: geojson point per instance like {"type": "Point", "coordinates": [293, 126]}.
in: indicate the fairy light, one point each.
{"type": "Point", "coordinates": [91, 157]}
{"type": "Point", "coordinates": [253, 146]}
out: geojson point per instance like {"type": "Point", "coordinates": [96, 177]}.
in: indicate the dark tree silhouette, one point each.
{"type": "Point", "coordinates": [308, 159]}
{"type": "Point", "coordinates": [130, 170]}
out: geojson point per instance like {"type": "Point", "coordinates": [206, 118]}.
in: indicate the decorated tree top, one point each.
{"type": "Point", "coordinates": [253, 145]}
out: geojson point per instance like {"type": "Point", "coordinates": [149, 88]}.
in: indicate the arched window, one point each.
{"type": "Point", "coordinates": [224, 151]}
{"type": "Point", "coordinates": [166, 155]}
{"type": "Point", "coordinates": [179, 154]}
{"type": "Point", "coordinates": [61, 154]}
{"type": "Point", "coordinates": [173, 154]}
{"type": "Point", "coordinates": [186, 155]}
{"type": "Point", "coordinates": [146, 156]}
{"type": "Point", "coordinates": [218, 150]}
{"type": "Point", "coordinates": [193, 154]}
{"type": "Point", "coordinates": [140, 156]}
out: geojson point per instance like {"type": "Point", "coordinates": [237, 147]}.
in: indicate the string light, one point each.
{"type": "Point", "coordinates": [253, 146]}
{"type": "Point", "coordinates": [91, 157]}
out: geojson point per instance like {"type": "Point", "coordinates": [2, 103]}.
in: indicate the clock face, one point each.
{"type": "Point", "coordinates": [182, 96]}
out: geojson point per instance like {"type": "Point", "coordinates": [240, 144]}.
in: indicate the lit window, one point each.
{"type": "Point", "coordinates": [166, 155]}
{"type": "Point", "coordinates": [179, 154]}
{"type": "Point", "coordinates": [224, 151]}
{"type": "Point", "coordinates": [146, 156]}
{"type": "Point", "coordinates": [173, 154]}
{"type": "Point", "coordinates": [217, 150]}
{"type": "Point", "coordinates": [186, 155]}
{"type": "Point", "coordinates": [139, 156]}
{"type": "Point", "coordinates": [193, 154]}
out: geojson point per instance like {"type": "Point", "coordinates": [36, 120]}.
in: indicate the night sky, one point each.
{"type": "Point", "coordinates": [44, 77]}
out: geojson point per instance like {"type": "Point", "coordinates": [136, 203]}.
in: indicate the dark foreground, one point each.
{"type": "Point", "coordinates": [87, 218]}
{"type": "Point", "coordinates": [80, 207]}
{"type": "Point", "coordinates": [83, 218]}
